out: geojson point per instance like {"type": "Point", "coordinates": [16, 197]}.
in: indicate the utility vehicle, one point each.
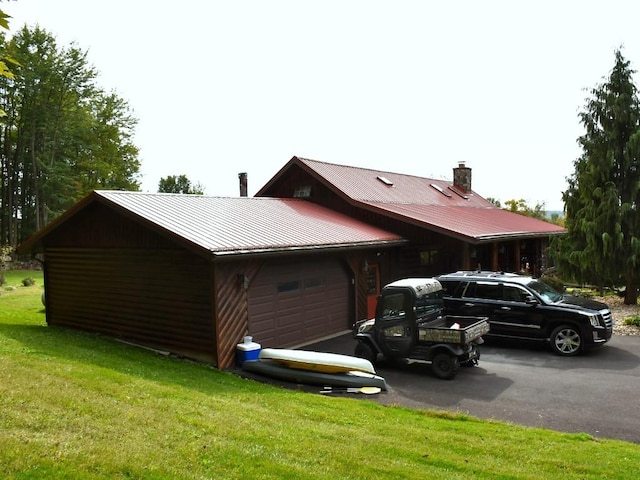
{"type": "Point", "coordinates": [411, 323]}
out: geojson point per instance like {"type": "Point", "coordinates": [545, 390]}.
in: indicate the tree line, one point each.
{"type": "Point", "coordinates": [61, 136]}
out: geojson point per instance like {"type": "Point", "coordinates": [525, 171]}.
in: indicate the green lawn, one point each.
{"type": "Point", "coordinates": [78, 406]}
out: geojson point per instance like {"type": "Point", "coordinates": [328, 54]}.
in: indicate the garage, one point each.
{"type": "Point", "coordinates": [293, 303]}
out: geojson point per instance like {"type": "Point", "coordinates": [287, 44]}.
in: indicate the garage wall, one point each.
{"type": "Point", "coordinates": [159, 298]}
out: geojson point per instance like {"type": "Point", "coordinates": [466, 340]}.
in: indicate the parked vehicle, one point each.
{"type": "Point", "coordinates": [410, 323]}
{"type": "Point", "coordinates": [523, 307]}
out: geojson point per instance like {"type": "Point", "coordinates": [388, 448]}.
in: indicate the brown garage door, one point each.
{"type": "Point", "coordinates": [293, 303]}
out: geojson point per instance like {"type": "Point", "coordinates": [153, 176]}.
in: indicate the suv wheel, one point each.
{"type": "Point", "coordinates": [566, 341]}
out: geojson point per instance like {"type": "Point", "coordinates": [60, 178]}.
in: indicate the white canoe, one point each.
{"type": "Point", "coordinates": [317, 361]}
{"type": "Point", "coordinates": [351, 379]}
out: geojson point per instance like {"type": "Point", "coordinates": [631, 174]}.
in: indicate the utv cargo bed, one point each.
{"type": "Point", "coordinates": [444, 329]}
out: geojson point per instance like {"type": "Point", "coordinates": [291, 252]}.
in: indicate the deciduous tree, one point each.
{"type": "Point", "coordinates": [179, 184]}
{"type": "Point", "coordinates": [62, 137]}
{"type": "Point", "coordinates": [521, 207]}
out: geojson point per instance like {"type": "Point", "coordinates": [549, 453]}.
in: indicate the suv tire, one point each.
{"type": "Point", "coordinates": [566, 341]}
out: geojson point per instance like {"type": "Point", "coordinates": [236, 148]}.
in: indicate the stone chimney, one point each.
{"type": "Point", "coordinates": [462, 177]}
{"type": "Point", "coordinates": [243, 184]}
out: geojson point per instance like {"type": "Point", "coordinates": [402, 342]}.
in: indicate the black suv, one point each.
{"type": "Point", "coordinates": [523, 307]}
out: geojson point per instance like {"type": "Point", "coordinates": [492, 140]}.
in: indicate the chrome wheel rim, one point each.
{"type": "Point", "coordinates": [567, 341]}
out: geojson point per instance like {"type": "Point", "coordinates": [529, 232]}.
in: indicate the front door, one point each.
{"type": "Point", "coordinates": [373, 289]}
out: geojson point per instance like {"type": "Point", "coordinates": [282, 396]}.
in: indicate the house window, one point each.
{"type": "Point", "coordinates": [288, 286]}
{"type": "Point", "coordinates": [302, 191]}
{"type": "Point", "coordinates": [428, 258]}
{"type": "Point", "coordinates": [313, 282]}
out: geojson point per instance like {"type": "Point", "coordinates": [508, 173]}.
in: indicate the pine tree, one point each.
{"type": "Point", "coordinates": [602, 245]}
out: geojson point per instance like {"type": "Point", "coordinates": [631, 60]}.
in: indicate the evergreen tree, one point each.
{"type": "Point", "coordinates": [602, 245]}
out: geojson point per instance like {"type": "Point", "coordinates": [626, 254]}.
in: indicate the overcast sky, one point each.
{"type": "Point", "coordinates": [412, 87]}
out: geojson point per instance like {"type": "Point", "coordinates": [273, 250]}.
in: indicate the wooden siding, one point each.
{"type": "Point", "coordinates": [158, 298]}
{"type": "Point", "coordinates": [231, 307]}
{"type": "Point", "coordinates": [99, 226]}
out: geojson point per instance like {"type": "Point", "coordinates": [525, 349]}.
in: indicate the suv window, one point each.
{"type": "Point", "coordinates": [449, 286]}
{"type": "Point", "coordinates": [513, 293]}
{"type": "Point", "coordinates": [545, 291]}
{"type": "Point", "coordinates": [490, 291]}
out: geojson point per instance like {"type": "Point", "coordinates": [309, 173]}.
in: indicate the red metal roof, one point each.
{"type": "Point", "coordinates": [480, 224]}
{"type": "Point", "coordinates": [432, 203]}
{"type": "Point", "coordinates": [226, 226]}
{"type": "Point", "coordinates": [364, 185]}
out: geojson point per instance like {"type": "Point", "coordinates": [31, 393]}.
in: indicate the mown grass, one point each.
{"type": "Point", "coordinates": [78, 406]}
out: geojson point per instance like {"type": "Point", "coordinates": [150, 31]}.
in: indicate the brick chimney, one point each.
{"type": "Point", "coordinates": [243, 184]}
{"type": "Point", "coordinates": [462, 177]}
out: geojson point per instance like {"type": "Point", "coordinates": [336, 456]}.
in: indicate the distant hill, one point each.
{"type": "Point", "coordinates": [550, 213]}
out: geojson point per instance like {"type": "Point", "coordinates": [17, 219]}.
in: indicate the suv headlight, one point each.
{"type": "Point", "coordinates": [595, 321]}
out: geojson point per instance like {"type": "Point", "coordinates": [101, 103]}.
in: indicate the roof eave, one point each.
{"type": "Point", "coordinates": [33, 243]}
{"type": "Point", "coordinates": [516, 235]}
{"type": "Point", "coordinates": [276, 177]}
{"type": "Point", "coordinates": [273, 251]}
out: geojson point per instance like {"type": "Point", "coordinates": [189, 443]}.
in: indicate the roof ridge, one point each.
{"type": "Point", "coordinates": [305, 160]}
{"type": "Point", "coordinates": [104, 193]}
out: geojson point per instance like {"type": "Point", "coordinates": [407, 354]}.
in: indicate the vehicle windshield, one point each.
{"type": "Point", "coordinates": [545, 291]}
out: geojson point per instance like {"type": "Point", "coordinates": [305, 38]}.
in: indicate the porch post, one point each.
{"type": "Point", "coordinates": [466, 256]}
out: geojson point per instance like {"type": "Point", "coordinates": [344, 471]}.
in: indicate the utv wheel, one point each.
{"type": "Point", "coordinates": [444, 366]}
{"type": "Point", "coordinates": [366, 351]}
{"type": "Point", "coordinates": [566, 341]}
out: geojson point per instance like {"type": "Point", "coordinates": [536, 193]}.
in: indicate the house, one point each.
{"type": "Point", "coordinates": [302, 260]}
{"type": "Point", "coordinates": [447, 225]}
{"type": "Point", "coordinates": [194, 274]}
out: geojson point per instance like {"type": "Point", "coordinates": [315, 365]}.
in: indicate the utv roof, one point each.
{"type": "Point", "coordinates": [420, 286]}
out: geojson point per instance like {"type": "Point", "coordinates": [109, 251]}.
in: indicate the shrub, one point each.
{"type": "Point", "coordinates": [27, 282]}
{"type": "Point", "coordinates": [634, 320]}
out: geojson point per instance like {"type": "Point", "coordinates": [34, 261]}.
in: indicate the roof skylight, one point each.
{"type": "Point", "coordinates": [458, 192]}
{"type": "Point", "coordinates": [385, 180]}
{"type": "Point", "coordinates": [440, 189]}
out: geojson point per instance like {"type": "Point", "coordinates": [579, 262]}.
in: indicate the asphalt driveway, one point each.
{"type": "Point", "coordinates": [596, 393]}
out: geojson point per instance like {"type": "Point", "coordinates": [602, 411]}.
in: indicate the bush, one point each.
{"type": "Point", "coordinates": [27, 282]}
{"type": "Point", "coordinates": [635, 321]}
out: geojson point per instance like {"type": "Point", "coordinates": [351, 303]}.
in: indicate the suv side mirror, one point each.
{"type": "Point", "coordinates": [531, 300]}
